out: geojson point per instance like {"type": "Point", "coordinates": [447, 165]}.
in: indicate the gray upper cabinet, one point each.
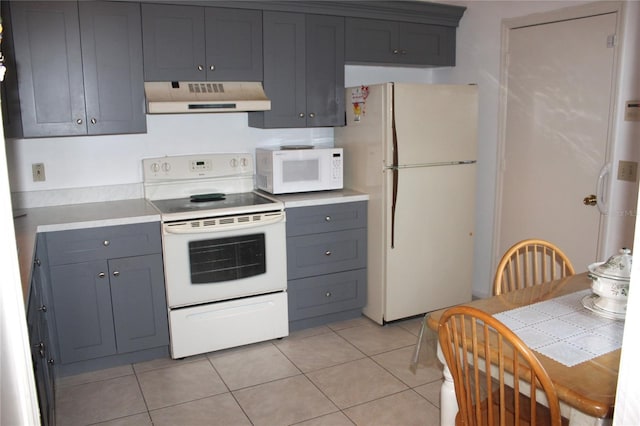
{"type": "Point", "coordinates": [79, 69]}
{"type": "Point", "coordinates": [402, 43]}
{"type": "Point", "coordinates": [303, 71]}
{"type": "Point", "coordinates": [191, 43]}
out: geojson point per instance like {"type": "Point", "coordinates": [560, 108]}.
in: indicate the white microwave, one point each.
{"type": "Point", "coordinates": [288, 169]}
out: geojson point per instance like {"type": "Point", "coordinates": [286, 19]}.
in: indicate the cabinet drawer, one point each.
{"type": "Point", "coordinates": [316, 296]}
{"type": "Point", "coordinates": [83, 245]}
{"type": "Point", "coordinates": [326, 218]}
{"type": "Point", "coordinates": [326, 253]}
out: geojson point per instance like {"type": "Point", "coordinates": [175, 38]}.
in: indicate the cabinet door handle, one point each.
{"type": "Point", "coordinates": [395, 51]}
{"type": "Point", "coordinates": [327, 253]}
{"type": "Point", "coordinates": [94, 121]}
{"type": "Point", "coordinates": [51, 361]}
{"type": "Point", "coordinates": [37, 262]}
{"type": "Point", "coordinates": [43, 308]}
{"type": "Point", "coordinates": [403, 51]}
{"type": "Point", "coordinates": [79, 121]}
{"type": "Point", "coordinates": [328, 294]}
{"type": "Point", "coordinates": [101, 275]}
{"type": "Point", "coordinates": [301, 115]}
{"type": "Point", "coordinates": [312, 114]}
{"type": "Point", "coordinates": [116, 273]}
{"type": "Point", "coordinates": [212, 67]}
{"type": "Point", "coordinates": [106, 243]}
{"type": "Point", "coordinates": [200, 68]}
{"type": "Point", "coordinates": [327, 219]}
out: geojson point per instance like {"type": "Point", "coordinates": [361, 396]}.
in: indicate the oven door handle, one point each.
{"type": "Point", "coordinates": [215, 226]}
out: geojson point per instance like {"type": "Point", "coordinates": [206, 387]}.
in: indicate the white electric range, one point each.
{"type": "Point", "coordinates": [224, 252]}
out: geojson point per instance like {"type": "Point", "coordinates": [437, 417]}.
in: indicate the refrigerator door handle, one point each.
{"type": "Point", "coordinates": [394, 196]}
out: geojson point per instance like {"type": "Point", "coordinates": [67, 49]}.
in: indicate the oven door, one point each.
{"type": "Point", "coordinates": [210, 260]}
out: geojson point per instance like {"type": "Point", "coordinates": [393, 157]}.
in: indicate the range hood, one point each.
{"type": "Point", "coordinates": [174, 97]}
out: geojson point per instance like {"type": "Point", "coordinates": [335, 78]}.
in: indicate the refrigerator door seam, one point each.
{"type": "Point", "coordinates": [394, 168]}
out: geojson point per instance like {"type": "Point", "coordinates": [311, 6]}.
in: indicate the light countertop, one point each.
{"type": "Point", "coordinates": [74, 216]}
{"type": "Point", "coordinates": [122, 212]}
{"type": "Point", "coordinates": [318, 198]}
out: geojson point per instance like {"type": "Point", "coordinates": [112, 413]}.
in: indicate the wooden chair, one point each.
{"type": "Point", "coordinates": [483, 400]}
{"type": "Point", "coordinates": [528, 263]}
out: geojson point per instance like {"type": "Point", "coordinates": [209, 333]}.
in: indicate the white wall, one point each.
{"type": "Point", "coordinates": [115, 160]}
{"type": "Point", "coordinates": [478, 61]}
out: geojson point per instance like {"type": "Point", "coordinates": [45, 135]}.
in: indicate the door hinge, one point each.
{"type": "Point", "coordinates": [611, 40]}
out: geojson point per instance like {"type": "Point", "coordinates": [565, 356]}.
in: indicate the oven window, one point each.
{"type": "Point", "coordinates": [226, 259]}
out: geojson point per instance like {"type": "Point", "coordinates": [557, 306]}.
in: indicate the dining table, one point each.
{"type": "Point", "coordinates": [586, 386]}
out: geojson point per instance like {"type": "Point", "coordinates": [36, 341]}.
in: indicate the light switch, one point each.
{"type": "Point", "coordinates": [627, 170]}
{"type": "Point", "coordinates": [632, 111]}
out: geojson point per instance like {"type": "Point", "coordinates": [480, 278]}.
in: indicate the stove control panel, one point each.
{"type": "Point", "coordinates": [197, 166]}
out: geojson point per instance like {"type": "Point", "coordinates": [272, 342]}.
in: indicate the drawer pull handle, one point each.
{"type": "Point", "coordinates": [106, 243]}
{"type": "Point", "coordinates": [327, 253]}
{"type": "Point", "coordinates": [328, 294]}
{"type": "Point", "coordinates": [101, 275]}
{"type": "Point", "coordinates": [116, 273]}
{"type": "Point", "coordinates": [327, 219]}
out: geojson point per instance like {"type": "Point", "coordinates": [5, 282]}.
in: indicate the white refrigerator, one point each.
{"type": "Point", "coordinates": [412, 148]}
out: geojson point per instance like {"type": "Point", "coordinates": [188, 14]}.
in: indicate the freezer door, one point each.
{"type": "Point", "coordinates": [434, 123]}
{"type": "Point", "coordinates": [430, 266]}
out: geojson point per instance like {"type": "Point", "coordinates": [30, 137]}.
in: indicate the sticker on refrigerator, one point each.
{"type": "Point", "coordinates": [359, 101]}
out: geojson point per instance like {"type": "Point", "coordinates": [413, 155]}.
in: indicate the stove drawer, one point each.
{"type": "Point", "coordinates": [107, 242]}
{"type": "Point", "coordinates": [319, 254]}
{"type": "Point", "coordinates": [327, 294]}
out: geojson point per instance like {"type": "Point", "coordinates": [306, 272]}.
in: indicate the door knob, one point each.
{"type": "Point", "coordinates": [591, 200]}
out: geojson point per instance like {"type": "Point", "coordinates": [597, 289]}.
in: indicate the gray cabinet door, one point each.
{"type": "Point", "coordinates": [233, 44]}
{"type": "Point", "coordinates": [284, 71]}
{"type": "Point", "coordinates": [427, 44]}
{"type": "Point", "coordinates": [112, 63]}
{"type": "Point", "coordinates": [83, 311]}
{"type": "Point", "coordinates": [303, 71]}
{"type": "Point", "coordinates": [402, 43]}
{"type": "Point", "coordinates": [325, 71]}
{"type": "Point", "coordinates": [174, 42]}
{"type": "Point", "coordinates": [139, 306]}
{"type": "Point", "coordinates": [39, 339]}
{"type": "Point", "coordinates": [371, 40]}
{"type": "Point", "coordinates": [48, 58]}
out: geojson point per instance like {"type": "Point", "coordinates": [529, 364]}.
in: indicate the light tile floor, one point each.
{"type": "Point", "coordinates": [346, 373]}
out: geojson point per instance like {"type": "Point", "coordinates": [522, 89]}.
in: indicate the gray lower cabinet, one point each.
{"type": "Point", "coordinates": [40, 340]}
{"type": "Point", "coordinates": [107, 291]}
{"type": "Point", "coordinates": [401, 43]}
{"type": "Point", "coordinates": [326, 263]}
{"type": "Point", "coordinates": [303, 71]}
{"type": "Point", "coordinates": [79, 69]}
{"type": "Point", "coordinates": [191, 43]}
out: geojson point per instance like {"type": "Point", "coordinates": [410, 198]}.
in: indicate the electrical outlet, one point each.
{"type": "Point", "coordinates": [628, 170]}
{"type": "Point", "coordinates": [38, 172]}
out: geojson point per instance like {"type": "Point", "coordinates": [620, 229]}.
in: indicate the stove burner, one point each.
{"type": "Point", "coordinates": [203, 198]}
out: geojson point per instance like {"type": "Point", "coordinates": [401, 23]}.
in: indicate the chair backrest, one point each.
{"type": "Point", "coordinates": [492, 346]}
{"type": "Point", "coordinates": [528, 263]}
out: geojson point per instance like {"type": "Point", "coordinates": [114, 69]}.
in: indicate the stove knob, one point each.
{"type": "Point", "coordinates": [234, 163]}
{"type": "Point", "coordinates": [166, 167]}
{"type": "Point", "coordinates": [243, 162]}
{"type": "Point", "coordinates": [155, 167]}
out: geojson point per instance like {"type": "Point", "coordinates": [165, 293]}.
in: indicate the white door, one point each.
{"type": "Point", "coordinates": [559, 78]}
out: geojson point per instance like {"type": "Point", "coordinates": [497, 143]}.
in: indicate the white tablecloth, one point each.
{"type": "Point", "coordinates": [564, 330]}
